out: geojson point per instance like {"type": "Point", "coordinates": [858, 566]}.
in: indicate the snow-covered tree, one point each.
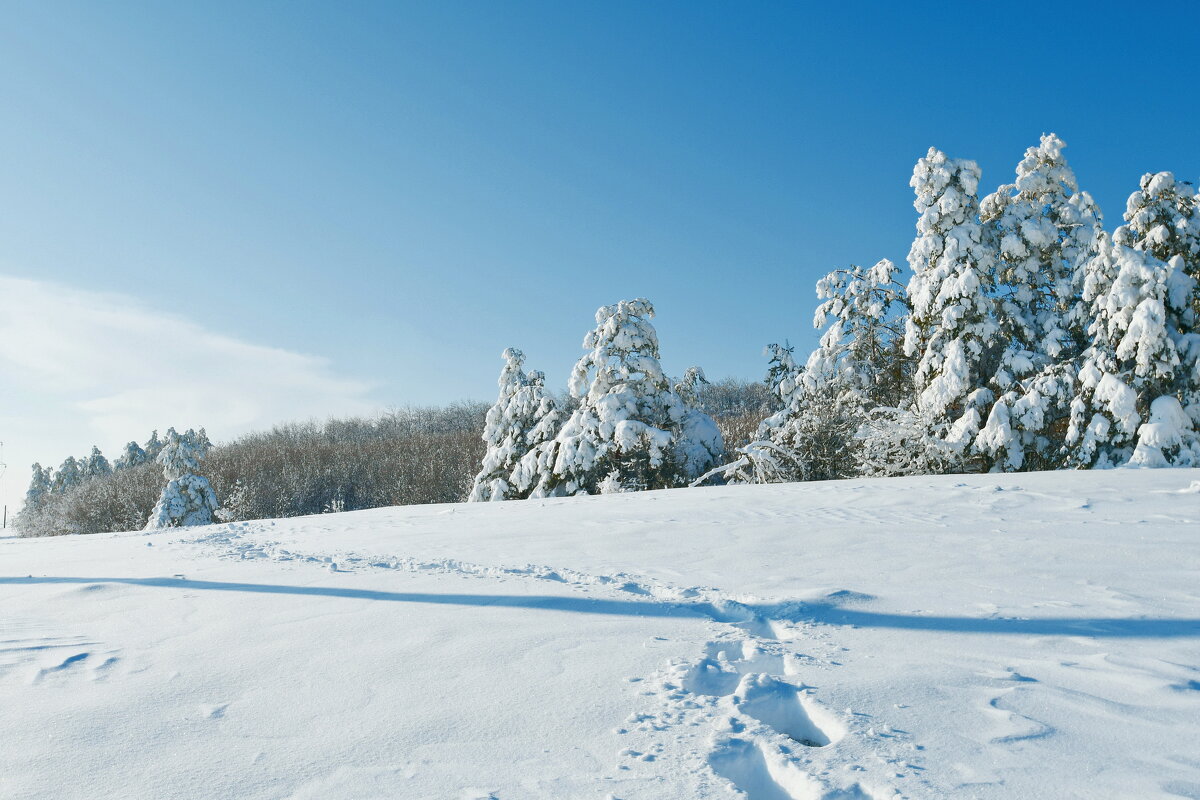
{"type": "Point", "coordinates": [503, 434]}
{"type": "Point", "coordinates": [1132, 360]}
{"type": "Point", "coordinates": [523, 417]}
{"type": "Point", "coordinates": [631, 429]}
{"type": "Point", "coordinates": [1163, 219]}
{"type": "Point", "coordinates": [1044, 231]}
{"type": "Point", "coordinates": [96, 465]}
{"type": "Point", "coordinates": [858, 366]}
{"type": "Point", "coordinates": [187, 499]}
{"type": "Point", "coordinates": [199, 441]}
{"type": "Point", "coordinates": [39, 489]}
{"type": "Point", "coordinates": [950, 331]}
{"type": "Point", "coordinates": [153, 446]}
{"type": "Point", "coordinates": [131, 456]}
{"type": "Point", "coordinates": [1168, 439]}
{"type": "Point", "coordinates": [67, 477]}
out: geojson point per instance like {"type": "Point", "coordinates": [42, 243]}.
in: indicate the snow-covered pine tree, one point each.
{"type": "Point", "coordinates": [523, 417]}
{"type": "Point", "coordinates": [1043, 231]}
{"type": "Point", "coordinates": [187, 499]}
{"type": "Point", "coordinates": [631, 429]}
{"type": "Point", "coordinates": [1169, 437]}
{"type": "Point", "coordinates": [531, 475]}
{"type": "Point", "coordinates": [1132, 360]}
{"type": "Point", "coordinates": [39, 489]}
{"type": "Point", "coordinates": [199, 441]}
{"type": "Point", "coordinates": [951, 330]}
{"type": "Point", "coordinates": [1163, 219]}
{"type": "Point", "coordinates": [858, 366]}
{"type": "Point", "coordinates": [503, 435]}
{"type": "Point", "coordinates": [699, 442]}
{"type": "Point", "coordinates": [132, 456]}
{"type": "Point", "coordinates": [67, 476]}
{"type": "Point", "coordinates": [96, 465]}
{"type": "Point", "coordinates": [153, 446]}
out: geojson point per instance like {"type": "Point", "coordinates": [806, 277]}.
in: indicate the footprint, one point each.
{"type": "Point", "coordinates": [714, 677]}
{"type": "Point", "coordinates": [724, 664]}
{"type": "Point", "coordinates": [784, 708]}
{"type": "Point", "coordinates": [760, 775]}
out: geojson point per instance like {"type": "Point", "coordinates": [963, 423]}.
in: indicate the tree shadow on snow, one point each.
{"type": "Point", "coordinates": [737, 614]}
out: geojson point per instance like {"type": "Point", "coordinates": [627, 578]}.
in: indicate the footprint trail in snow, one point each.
{"type": "Point", "coordinates": [736, 721]}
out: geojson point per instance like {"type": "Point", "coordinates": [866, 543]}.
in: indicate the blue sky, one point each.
{"type": "Point", "coordinates": [389, 194]}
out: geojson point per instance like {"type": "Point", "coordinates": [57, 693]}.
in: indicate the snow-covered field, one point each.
{"type": "Point", "coordinates": [1020, 636]}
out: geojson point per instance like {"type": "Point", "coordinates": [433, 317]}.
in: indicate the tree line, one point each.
{"type": "Point", "coordinates": [1025, 337]}
{"type": "Point", "coordinates": [404, 456]}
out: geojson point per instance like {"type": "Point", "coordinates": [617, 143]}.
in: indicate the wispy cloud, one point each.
{"type": "Point", "coordinates": [79, 367]}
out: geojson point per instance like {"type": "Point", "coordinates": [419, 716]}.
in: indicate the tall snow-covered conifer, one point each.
{"type": "Point", "coordinates": [951, 329]}
{"type": "Point", "coordinates": [1132, 359]}
{"type": "Point", "coordinates": [153, 447]}
{"type": "Point", "coordinates": [1163, 219]}
{"type": "Point", "coordinates": [187, 499]}
{"type": "Point", "coordinates": [1043, 230]}
{"type": "Point", "coordinates": [39, 489]}
{"type": "Point", "coordinates": [631, 430]}
{"type": "Point", "coordinates": [131, 456]}
{"type": "Point", "coordinates": [96, 465]}
{"type": "Point", "coordinates": [67, 476]}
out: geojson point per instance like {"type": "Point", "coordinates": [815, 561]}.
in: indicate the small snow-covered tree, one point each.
{"type": "Point", "coordinates": [631, 429]}
{"type": "Point", "coordinates": [199, 441]}
{"type": "Point", "coordinates": [898, 441]}
{"type": "Point", "coordinates": [39, 489]}
{"type": "Point", "coordinates": [67, 476]}
{"type": "Point", "coordinates": [153, 446]}
{"type": "Point", "coordinates": [131, 456]}
{"type": "Point", "coordinates": [523, 417]}
{"type": "Point", "coordinates": [503, 434]}
{"type": "Point", "coordinates": [1168, 438]}
{"type": "Point", "coordinates": [187, 499]}
{"type": "Point", "coordinates": [858, 366]}
{"type": "Point", "coordinates": [96, 465]}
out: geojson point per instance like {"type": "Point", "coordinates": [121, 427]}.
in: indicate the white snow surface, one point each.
{"type": "Point", "coordinates": [985, 636]}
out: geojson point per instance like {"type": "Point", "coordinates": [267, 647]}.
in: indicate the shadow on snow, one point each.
{"type": "Point", "coordinates": [734, 613]}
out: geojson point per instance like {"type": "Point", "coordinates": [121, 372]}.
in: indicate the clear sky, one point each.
{"type": "Point", "coordinates": [234, 213]}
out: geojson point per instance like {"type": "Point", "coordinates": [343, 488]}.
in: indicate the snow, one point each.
{"type": "Point", "coordinates": [983, 636]}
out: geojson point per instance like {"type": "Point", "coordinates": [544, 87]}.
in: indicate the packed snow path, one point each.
{"type": "Point", "coordinates": [982, 636]}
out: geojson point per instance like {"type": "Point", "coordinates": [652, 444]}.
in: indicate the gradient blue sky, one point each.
{"type": "Point", "coordinates": [404, 189]}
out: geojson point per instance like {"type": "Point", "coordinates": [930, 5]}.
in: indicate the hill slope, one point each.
{"type": "Point", "coordinates": [1032, 635]}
